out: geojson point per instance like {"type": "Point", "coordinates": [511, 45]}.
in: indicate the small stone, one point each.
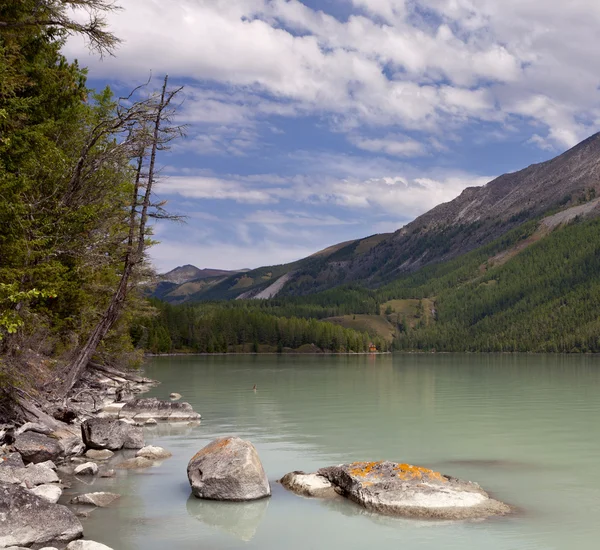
{"type": "Point", "coordinates": [96, 454]}
{"type": "Point", "coordinates": [49, 492]}
{"type": "Point", "coordinates": [135, 463]}
{"type": "Point", "coordinates": [308, 485]}
{"type": "Point", "coordinates": [153, 453]}
{"type": "Point", "coordinates": [101, 499]}
{"type": "Point", "coordinates": [175, 396]}
{"type": "Point", "coordinates": [13, 459]}
{"type": "Point", "coordinates": [151, 422]}
{"type": "Point", "coordinates": [87, 469]}
{"type": "Point", "coordinates": [108, 473]}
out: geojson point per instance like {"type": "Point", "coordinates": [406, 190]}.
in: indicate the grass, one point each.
{"type": "Point", "coordinates": [376, 325]}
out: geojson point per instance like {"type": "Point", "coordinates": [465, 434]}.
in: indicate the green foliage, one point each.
{"type": "Point", "coordinates": [225, 327]}
{"type": "Point", "coordinates": [10, 300]}
{"type": "Point", "coordinates": [545, 299]}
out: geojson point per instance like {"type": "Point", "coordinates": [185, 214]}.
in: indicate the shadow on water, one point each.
{"type": "Point", "coordinates": [240, 519]}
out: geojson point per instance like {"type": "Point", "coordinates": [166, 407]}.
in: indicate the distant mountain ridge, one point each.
{"type": "Point", "coordinates": [185, 273]}
{"type": "Point", "coordinates": [478, 216]}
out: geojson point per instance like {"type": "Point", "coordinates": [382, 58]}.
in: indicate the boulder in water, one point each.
{"type": "Point", "coordinates": [143, 409]}
{"type": "Point", "coordinates": [411, 491]}
{"type": "Point", "coordinates": [228, 469]}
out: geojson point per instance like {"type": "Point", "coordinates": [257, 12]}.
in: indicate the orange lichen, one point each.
{"type": "Point", "coordinates": [408, 472]}
{"type": "Point", "coordinates": [363, 469]}
{"type": "Point", "coordinates": [216, 445]}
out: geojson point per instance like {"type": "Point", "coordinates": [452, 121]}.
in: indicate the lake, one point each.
{"type": "Point", "coordinates": [526, 427]}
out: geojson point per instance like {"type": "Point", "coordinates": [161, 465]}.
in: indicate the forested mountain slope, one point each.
{"type": "Point", "coordinates": [477, 217]}
{"type": "Point", "coordinates": [535, 289]}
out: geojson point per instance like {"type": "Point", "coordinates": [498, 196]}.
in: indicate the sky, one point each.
{"type": "Point", "coordinates": [316, 122]}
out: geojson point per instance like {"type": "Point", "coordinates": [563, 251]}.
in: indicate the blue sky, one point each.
{"type": "Point", "coordinates": [315, 122]}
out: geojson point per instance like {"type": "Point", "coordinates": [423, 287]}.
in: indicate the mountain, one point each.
{"type": "Point", "coordinates": [180, 283]}
{"type": "Point", "coordinates": [478, 216]}
{"type": "Point", "coordinates": [185, 273]}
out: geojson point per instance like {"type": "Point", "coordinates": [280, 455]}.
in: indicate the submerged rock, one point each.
{"type": "Point", "coordinates": [107, 433]}
{"type": "Point", "coordinates": [35, 447]}
{"type": "Point", "coordinates": [308, 485]}
{"type": "Point", "coordinates": [153, 453]}
{"type": "Point", "coordinates": [135, 463]}
{"type": "Point", "coordinates": [150, 407]}
{"type": "Point", "coordinates": [228, 469]}
{"type": "Point", "coordinates": [96, 454]}
{"type": "Point", "coordinates": [87, 545]}
{"type": "Point", "coordinates": [26, 519]}
{"type": "Point", "coordinates": [411, 491]}
{"type": "Point", "coordinates": [101, 500]}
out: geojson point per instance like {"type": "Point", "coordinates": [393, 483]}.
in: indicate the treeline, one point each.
{"type": "Point", "coordinates": [220, 328]}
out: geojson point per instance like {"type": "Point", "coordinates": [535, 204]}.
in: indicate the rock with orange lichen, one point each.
{"type": "Point", "coordinates": [412, 491]}
{"type": "Point", "coordinates": [228, 469]}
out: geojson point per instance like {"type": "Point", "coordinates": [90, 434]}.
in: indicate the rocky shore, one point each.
{"type": "Point", "coordinates": [40, 458]}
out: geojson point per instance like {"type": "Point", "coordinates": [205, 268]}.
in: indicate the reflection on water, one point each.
{"type": "Point", "coordinates": [239, 519]}
{"type": "Point", "coordinates": [525, 427]}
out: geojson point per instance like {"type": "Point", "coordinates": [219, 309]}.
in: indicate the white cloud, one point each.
{"type": "Point", "coordinates": [394, 145]}
{"type": "Point", "coordinates": [398, 195]}
{"type": "Point", "coordinates": [387, 64]}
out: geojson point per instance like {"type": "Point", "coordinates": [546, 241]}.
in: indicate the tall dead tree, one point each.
{"type": "Point", "coordinates": [153, 133]}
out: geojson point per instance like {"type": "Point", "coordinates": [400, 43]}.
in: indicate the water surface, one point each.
{"type": "Point", "coordinates": [525, 427]}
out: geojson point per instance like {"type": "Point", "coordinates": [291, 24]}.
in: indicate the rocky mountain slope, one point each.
{"type": "Point", "coordinates": [476, 217]}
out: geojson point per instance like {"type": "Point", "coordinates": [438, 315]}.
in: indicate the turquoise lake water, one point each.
{"type": "Point", "coordinates": [527, 428]}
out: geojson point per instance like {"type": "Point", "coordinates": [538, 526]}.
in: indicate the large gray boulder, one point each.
{"type": "Point", "coordinates": [26, 519]}
{"type": "Point", "coordinates": [143, 409]}
{"type": "Point", "coordinates": [228, 469]}
{"type": "Point", "coordinates": [107, 433]}
{"type": "Point", "coordinates": [411, 491]}
{"type": "Point", "coordinates": [35, 447]}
